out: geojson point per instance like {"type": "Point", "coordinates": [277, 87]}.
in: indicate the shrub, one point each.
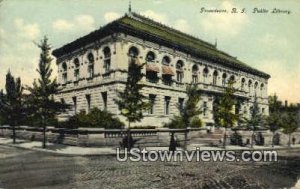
{"type": "Point", "coordinates": [196, 122]}
{"type": "Point", "coordinates": [95, 118]}
{"type": "Point", "coordinates": [175, 123]}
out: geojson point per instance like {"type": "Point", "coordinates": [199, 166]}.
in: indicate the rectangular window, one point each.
{"type": "Point", "coordinates": [152, 103]}
{"type": "Point", "coordinates": [204, 108]}
{"type": "Point", "coordinates": [107, 65]}
{"type": "Point", "coordinates": [76, 74]}
{"type": "Point", "coordinates": [64, 77]}
{"type": "Point", "coordinates": [88, 102]}
{"type": "Point", "coordinates": [75, 104]}
{"type": "Point", "coordinates": [180, 103]}
{"type": "Point", "coordinates": [104, 98]}
{"type": "Point", "coordinates": [179, 76]}
{"type": "Point", "coordinates": [167, 105]}
{"type": "Point", "coordinates": [215, 80]}
{"type": "Point", "coordinates": [195, 79]}
{"type": "Point", "coordinates": [91, 71]}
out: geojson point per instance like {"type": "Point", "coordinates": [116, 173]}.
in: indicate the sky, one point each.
{"type": "Point", "coordinates": [269, 42]}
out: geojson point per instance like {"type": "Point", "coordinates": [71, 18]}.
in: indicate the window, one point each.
{"type": "Point", "coordinates": [195, 74]}
{"type": "Point", "coordinates": [205, 74]}
{"type": "Point", "coordinates": [166, 60]}
{"type": "Point", "coordinates": [152, 77]}
{"type": "Point", "coordinates": [232, 79]}
{"type": "Point", "coordinates": [167, 79]}
{"type": "Point", "coordinates": [104, 98]}
{"type": "Point", "coordinates": [150, 57]}
{"type": "Point", "coordinates": [180, 103]}
{"type": "Point", "coordinates": [91, 65]}
{"type": "Point", "coordinates": [65, 74]}
{"type": "Point", "coordinates": [88, 101]}
{"type": "Point", "coordinates": [75, 104]}
{"type": "Point", "coordinates": [62, 101]}
{"type": "Point", "coordinates": [249, 85]}
{"type": "Point", "coordinates": [107, 59]}
{"type": "Point", "coordinates": [133, 52]}
{"type": "Point", "coordinates": [255, 87]}
{"type": "Point", "coordinates": [224, 76]}
{"type": "Point", "coordinates": [152, 103]}
{"type": "Point", "coordinates": [204, 108]}
{"type": "Point", "coordinates": [243, 83]}
{"type": "Point", "coordinates": [215, 77]}
{"type": "Point", "coordinates": [167, 105]}
{"type": "Point", "coordinates": [179, 71]}
{"type": "Point", "coordinates": [76, 70]}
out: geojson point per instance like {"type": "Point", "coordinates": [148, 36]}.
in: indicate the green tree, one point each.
{"type": "Point", "coordinates": [289, 124]}
{"type": "Point", "coordinates": [11, 103]}
{"type": "Point", "coordinates": [225, 113]}
{"type": "Point", "coordinates": [256, 120]}
{"type": "Point", "coordinates": [42, 105]}
{"type": "Point", "coordinates": [131, 101]}
{"type": "Point", "coordinates": [274, 118]}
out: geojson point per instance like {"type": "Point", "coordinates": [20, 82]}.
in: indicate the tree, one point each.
{"type": "Point", "coordinates": [41, 101]}
{"type": "Point", "coordinates": [226, 116]}
{"type": "Point", "coordinates": [11, 104]}
{"type": "Point", "coordinates": [274, 118]}
{"type": "Point", "coordinates": [131, 102]}
{"type": "Point", "coordinates": [289, 124]}
{"type": "Point", "coordinates": [256, 120]}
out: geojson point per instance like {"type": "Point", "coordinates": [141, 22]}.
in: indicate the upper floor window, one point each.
{"type": "Point", "coordinates": [195, 70]}
{"type": "Point", "coordinates": [232, 79]}
{"type": "Point", "coordinates": [243, 83]}
{"type": "Point", "coordinates": [250, 85]}
{"type": "Point", "coordinates": [166, 60]}
{"type": "Point", "coordinates": [133, 52]}
{"type": "Point", "coordinates": [262, 87]}
{"type": "Point", "coordinates": [224, 76]}
{"type": "Point", "coordinates": [91, 65]}
{"type": "Point", "coordinates": [91, 58]}
{"type": "Point", "coordinates": [65, 74]}
{"type": "Point", "coordinates": [76, 70]}
{"type": "Point", "coordinates": [107, 59]}
{"type": "Point", "coordinates": [150, 57]}
{"type": "Point", "coordinates": [205, 74]}
{"type": "Point", "coordinates": [179, 70]}
{"type": "Point", "coordinates": [215, 77]}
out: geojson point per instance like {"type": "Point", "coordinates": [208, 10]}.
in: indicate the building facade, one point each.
{"type": "Point", "coordinates": [91, 69]}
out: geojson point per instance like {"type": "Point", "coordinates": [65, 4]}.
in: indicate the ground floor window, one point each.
{"type": "Point", "coordinates": [152, 103]}
{"type": "Point", "coordinates": [167, 105]}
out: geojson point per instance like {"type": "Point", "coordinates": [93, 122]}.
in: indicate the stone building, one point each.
{"type": "Point", "coordinates": [93, 67]}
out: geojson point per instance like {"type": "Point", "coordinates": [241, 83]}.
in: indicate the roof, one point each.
{"type": "Point", "coordinates": [141, 26]}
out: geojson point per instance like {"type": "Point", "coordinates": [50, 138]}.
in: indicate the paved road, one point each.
{"type": "Point", "coordinates": [30, 169]}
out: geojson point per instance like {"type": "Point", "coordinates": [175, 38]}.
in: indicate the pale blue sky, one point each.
{"type": "Point", "coordinates": [269, 42]}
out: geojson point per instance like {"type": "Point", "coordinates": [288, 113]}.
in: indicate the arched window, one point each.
{"type": "Point", "coordinates": [224, 76]}
{"type": "Point", "coordinates": [255, 87]}
{"type": "Point", "coordinates": [215, 77]}
{"type": "Point", "coordinates": [150, 57]}
{"type": "Point", "coordinates": [64, 74]}
{"type": "Point", "coordinates": [91, 65]}
{"type": "Point", "coordinates": [179, 71]}
{"type": "Point", "coordinates": [195, 70]}
{"type": "Point", "coordinates": [250, 85]}
{"type": "Point", "coordinates": [243, 83]}
{"type": "Point", "coordinates": [133, 52]}
{"type": "Point", "coordinates": [232, 78]}
{"type": "Point", "coordinates": [205, 74]}
{"type": "Point", "coordinates": [262, 87]}
{"type": "Point", "coordinates": [76, 70]}
{"type": "Point", "coordinates": [166, 60]}
{"type": "Point", "coordinates": [107, 59]}
{"type": "Point", "coordinates": [91, 58]}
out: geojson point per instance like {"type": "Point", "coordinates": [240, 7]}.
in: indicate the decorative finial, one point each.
{"type": "Point", "coordinates": [216, 42]}
{"type": "Point", "coordinates": [129, 8]}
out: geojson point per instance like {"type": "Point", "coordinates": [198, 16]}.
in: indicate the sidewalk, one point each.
{"type": "Point", "coordinates": [91, 151]}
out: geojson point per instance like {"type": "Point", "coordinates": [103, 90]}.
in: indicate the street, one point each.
{"type": "Point", "coordinates": [30, 169]}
